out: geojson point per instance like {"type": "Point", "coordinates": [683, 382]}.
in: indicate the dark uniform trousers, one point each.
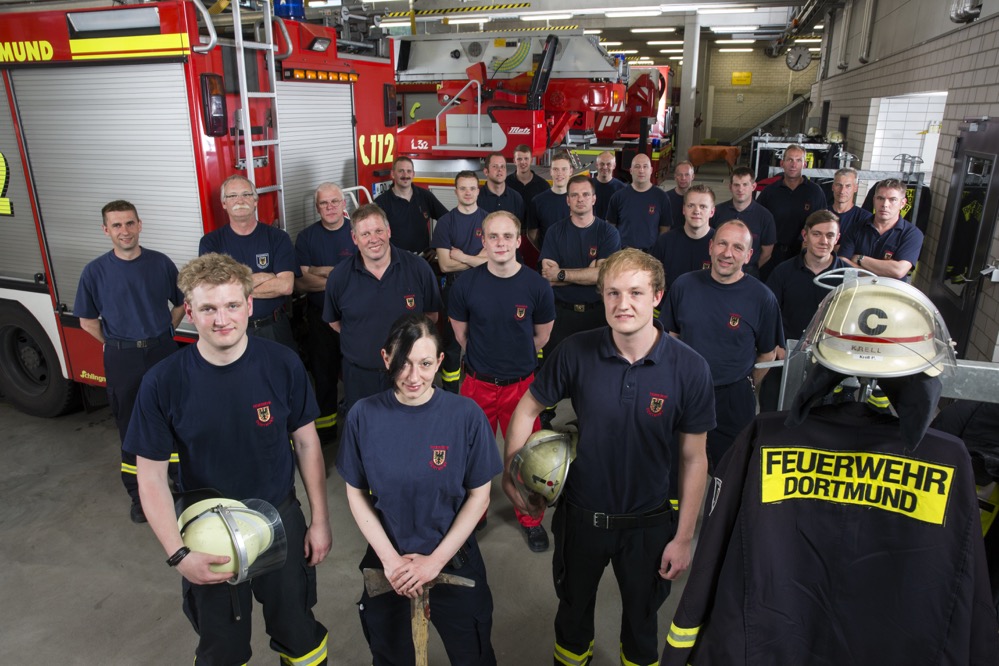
{"type": "Point", "coordinates": [572, 318]}
{"type": "Point", "coordinates": [125, 363]}
{"type": "Point", "coordinates": [287, 596]}
{"type": "Point", "coordinates": [274, 326]}
{"type": "Point", "coordinates": [582, 552]}
{"type": "Point", "coordinates": [324, 361]}
{"type": "Point", "coordinates": [461, 615]}
{"type": "Point", "coordinates": [451, 367]}
{"type": "Point", "coordinates": [360, 382]}
{"type": "Point", "coordinates": [735, 407]}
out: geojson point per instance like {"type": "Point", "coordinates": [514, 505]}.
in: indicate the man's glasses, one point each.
{"type": "Point", "coordinates": [241, 195]}
{"type": "Point", "coordinates": [330, 203]}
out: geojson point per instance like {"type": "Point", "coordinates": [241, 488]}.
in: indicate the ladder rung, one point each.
{"type": "Point", "coordinates": [269, 188]}
{"type": "Point", "coordinates": [263, 142]}
{"type": "Point", "coordinates": [260, 46]}
{"type": "Point", "coordinates": [261, 95]}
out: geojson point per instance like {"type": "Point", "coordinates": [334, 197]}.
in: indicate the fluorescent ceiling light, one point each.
{"type": "Point", "coordinates": [640, 30]}
{"type": "Point", "coordinates": [735, 41]}
{"type": "Point", "coordinates": [735, 28]}
{"type": "Point", "coordinates": [675, 42]}
{"type": "Point", "coordinates": [815, 49]}
{"type": "Point", "coordinates": [592, 32]}
{"type": "Point", "coordinates": [633, 13]}
{"type": "Point", "coordinates": [810, 40]}
{"type": "Point", "coordinates": [818, 27]}
{"type": "Point", "coordinates": [545, 17]}
{"type": "Point", "coordinates": [735, 50]}
{"type": "Point", "coordinates": [728, 10]}
{"type": "Point", "coordinates": [385, 25]}
{"type": "Point", "coordinates": [468, 19]}
{"type": "Point", "coordinates": [676, 57]}
{"type": "Point", "coordinates": [671, 50]}
{"type": "Point", "coordinates": [622, 52]}
{"type": "Point", "coordinates": [610, 43]}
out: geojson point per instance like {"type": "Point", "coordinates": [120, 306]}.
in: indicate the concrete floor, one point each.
{"type": "Point", "coordinates": [83, 585]}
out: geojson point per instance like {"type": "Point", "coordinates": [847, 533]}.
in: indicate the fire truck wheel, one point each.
{"type": "Point", "coordinates": [30, 376]}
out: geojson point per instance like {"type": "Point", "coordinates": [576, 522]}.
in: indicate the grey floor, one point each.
{"type": "Point", "coordinates": [80, 584]}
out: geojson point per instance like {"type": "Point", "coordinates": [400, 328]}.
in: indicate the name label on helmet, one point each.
{"type": "Point", "coordinates": [864, 321]}
{"type": "Point", "coordinates": [912, 488]}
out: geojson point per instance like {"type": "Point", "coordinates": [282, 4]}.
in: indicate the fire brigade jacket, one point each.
{"type": "Point", "coordinates": [830, 543]}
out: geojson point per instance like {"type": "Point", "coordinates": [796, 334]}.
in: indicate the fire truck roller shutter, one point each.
{"type": "Point", "coordinates": [95, 134]}
{"type": "Point", "coordinates": [317, 145]}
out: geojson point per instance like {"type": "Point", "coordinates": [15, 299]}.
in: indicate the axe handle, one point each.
{"type": "Point", "coordinates": [420, 607]}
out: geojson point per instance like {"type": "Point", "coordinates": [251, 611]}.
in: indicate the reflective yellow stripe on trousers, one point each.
{"type": "Point", "coordinates": [563, 656]}
{"type": "Point", "coordinates": [317, 656]}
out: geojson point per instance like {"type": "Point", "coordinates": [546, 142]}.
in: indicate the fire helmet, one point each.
{"type": "Point", "coordinates": [250, 533]}
{"type": "Point", "coordinates": [879, 327]}
{"type": "Point", "coordinates": [542, 465]}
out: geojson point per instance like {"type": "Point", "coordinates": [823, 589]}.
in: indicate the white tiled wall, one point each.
{"type": "Point", "coordinates": [906, 125]}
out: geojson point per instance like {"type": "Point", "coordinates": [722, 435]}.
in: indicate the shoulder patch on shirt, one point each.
{"type": "Point", "coordinates": [521, 312]}
{"type": "Point", "coordinates": [438, 457]}
{"type": "Point", "coordinates": [733, 320]}
{"type": "Point", "coordinates": [593, 252]}
{"type": "Point", "coordinates": [656, 402]}
{"type": "Point", "coordinates": [652, 209]}
{"type": "Point", "coordinates": [263, 260]}
{"type": "Point", "coordinates": [410, 301]}
{"type": "Point", "coordinates": [264, 414]}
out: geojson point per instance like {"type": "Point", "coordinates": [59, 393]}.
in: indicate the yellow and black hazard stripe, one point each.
{"type": "Point", "coordinates": [550, 28]}
{"type": "Point", "coordinates": [460, 10]}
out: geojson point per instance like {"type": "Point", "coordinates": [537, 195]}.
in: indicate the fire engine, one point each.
{"type": "Point", "coordinates": [158, 103]}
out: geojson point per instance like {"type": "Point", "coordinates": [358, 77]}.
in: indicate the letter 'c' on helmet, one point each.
{"type": "Point", "coordinates": [542, 465]}
{"type": "Point", "coordinates": [879, 327]}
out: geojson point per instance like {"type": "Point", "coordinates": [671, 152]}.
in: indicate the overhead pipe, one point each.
{"type": "Point", "coordinates": [844, 36]}
{"type": "Point", "coordinates": [965, 11]}
{"type": "Point", "coordinates": [867, 36]}
{"type": "Point", "coordinates": [799, 23]}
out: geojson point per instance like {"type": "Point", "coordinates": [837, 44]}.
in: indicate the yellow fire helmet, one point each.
{"type": "Point", "coordinates": [542, 465]}
{"type": "Point", "coordinates": [250, 533]}
{"type": "Point", "coordinates": [879, 327]}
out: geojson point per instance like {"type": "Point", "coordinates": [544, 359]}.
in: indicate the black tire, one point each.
{"type": "Point", "coordinates": [30, 376]}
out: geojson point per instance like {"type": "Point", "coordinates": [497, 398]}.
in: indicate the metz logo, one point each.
{"type": "Point", "coordinates": [519, 130]}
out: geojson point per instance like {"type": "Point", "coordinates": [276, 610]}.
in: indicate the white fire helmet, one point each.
{"type": "Point", "coordinates": [250, 533]}
{"type": "Point", "coordinates": [879, 327]}
{"type": "Point", "coordinates": [542, 465]}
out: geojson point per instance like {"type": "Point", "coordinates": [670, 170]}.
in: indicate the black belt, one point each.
{"type": "Point", "coordinates": [266, 320]}
{"type": "Point", "coordinates": [138, 344]}
{"type": "Point", "coordinates": [495, 381]}
{"type": "Point", "coordinates": [604, 521]}
{"type": "Point", "coordinates": [578, 307]}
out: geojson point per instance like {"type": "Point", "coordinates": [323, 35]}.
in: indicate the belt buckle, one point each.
{"type": "Point", "coordinates": [600, 520]}
{"type": "Point", "coordinates": [579, 307]}
{"type": "Point", "coordinates": [141, 344]}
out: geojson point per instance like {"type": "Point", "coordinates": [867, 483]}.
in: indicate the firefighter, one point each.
{"type": "Point", "coordinates": [604, 183]}
{"type": "Point", "coordinates": [687, 248]}
{"type": "Point", "coordinates": [409, 209]}
{"type": "Point", "coordinates": [129, 302]}
{"type": "Point", "coordinates": [497, 194]}
{"type": "Point", "coordinates": [633, 387]}
{"type": "Point", "coordinates": [320, 248]}
{"type": "Point", "coordinates": [844, 193]}
{"type": "Point", "coordinates": [524, 181]}
{"type": "Point", "coordinates": [417, 502]}
{"type": "Point", "coordinates": [266, 250]}
{"type": "Point", "coordinates": [683, 175]}
{"type": "Point", "coordinates": [230, 402]}
{"type": "Point", "coordinates": [641, 212]}
{"type": "Point", "coordinates": [888, 244]}
{"type": "Point", "coordinates": [550, 207]}
{"type": "Point", "coordinates": [760, 221]}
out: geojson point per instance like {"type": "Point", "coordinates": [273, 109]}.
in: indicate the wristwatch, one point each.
{"type": "Point", "coordinates": [859, 259]}
{"type": "Point", "coordinates": [561, 276]}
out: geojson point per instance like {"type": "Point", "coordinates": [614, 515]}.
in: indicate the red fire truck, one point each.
{"type": "Point", "coordinates": [158, 103]}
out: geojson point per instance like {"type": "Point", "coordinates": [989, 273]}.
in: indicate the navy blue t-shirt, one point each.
{"type": "Point", "coordinates": [510, 201]}
{"type": "Point", "coordinates": [627, 416]}
{"type": "Point", "coordinates": [229, 423]}
{"type": "Point", "coordinates": [675, 208]}
{"type": "Point", "coordinates": [460, 230]}
{"type": "Point", "coordinates": [604, 192]}
{"type": "Point", "coordinates": [854, 217]}
{"type": "Point", "coordinates": [266, 249]}
{"type": "Point", "coordinates": [791, 207]}
{"type": "Point", "coordinates": [318, 246]}
{"type": "Point", "coordinates": [366, 307]}
{"type": "Point", "coordinates": [727, 324]}
{"type": "Point", "coordinates": [759, 220]}
{"type": "Point", "coordinates": [638, 216]}
{"type": "Point", "coordinates": [679, 253]}
{"type": "Point", "coordinates": [546, 210]}
{"type": "Point", "coordinates": [797, 294]}
{"type": "Point", "coordinates": [410, 220]}
{"type": "Point", "coordinates": [903, 242]}
{"type": "Point", "coordinates": [572, 247]}
{"type": "Point", "coordinates": [536, 186]}
{"type": "Point", "coordinates": [501, 314]}
{"type": "Point", "coordinates": [130, 297]}
{"type": "Point", "coordinates": [418, 462]}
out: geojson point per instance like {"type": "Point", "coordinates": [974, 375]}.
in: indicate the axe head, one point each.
{"type": "Point", "coordinates": [375, 581]}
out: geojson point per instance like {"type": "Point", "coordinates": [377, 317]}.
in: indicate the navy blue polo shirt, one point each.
{"type": "Point", "coordinates": [638, 215]}
{"type": "Point", "coordinates": [675, 208]}
{"type": "Point", "coordinates": [410, 220]}
{"type": "Point", "coordinates": [510, 201]}
{"type": "Point", "coordinates": [460, 230]}
{"type": "Point", "coordinates": [130, 296]}
{"type": "Point", "coordinates": [851, 218]}
{"type": "Point", "coordinates": [791, 207]}
{"type": "Point", "coordinates": [759, 220]}
{"type": "Point", "coordinates": [318, 246]}
{"type": "Point", "coordinates": [604, 192]}
{"type": "Point", "coordinates": [572, 247]}
{"type": "Point", "coordinates": [679, 253]}
{"type": "Point", "coordinates": [366, 307]}
{"type": "Point", "coordinates": [229, 423]}
{"type": "Point", "coordinates": [627, 416]}
{"type": "Point", "coordinates": [727, 324]}
{"type": "Point", "coordinates": [529, 191]}
{"type": "Point", "coordinates": [903, 242]}
{"type": "Point", "coordinates": [501, 313]}
{"type": "Point", "coordinates": [418, 462]}
{"type": "Point", "coordinates": [797, 295]}
{"type": "Point", "coordinates": [266, 249]}
{"type": "Point", "coordinates": [545, 210]}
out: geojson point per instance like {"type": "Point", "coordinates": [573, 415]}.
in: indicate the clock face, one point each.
{"type": "Point", "coordinates": [798, 58]}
